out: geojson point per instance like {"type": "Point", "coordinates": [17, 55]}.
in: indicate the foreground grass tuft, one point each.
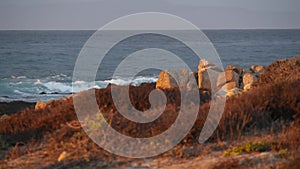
{"type": "Point", "coordinates": [260, 146]}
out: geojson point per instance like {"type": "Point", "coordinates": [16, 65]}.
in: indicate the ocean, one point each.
{"type": "Point", "coordinates": [38, 65]}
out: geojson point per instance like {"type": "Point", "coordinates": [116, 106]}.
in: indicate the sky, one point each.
{"type": "Point", "coordinates": [93, 14]}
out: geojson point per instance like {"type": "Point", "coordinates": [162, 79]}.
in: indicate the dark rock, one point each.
{"type": "Point", "coordinates": [14, 107]}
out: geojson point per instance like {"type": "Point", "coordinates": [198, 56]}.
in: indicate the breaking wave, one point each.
{"type": "Point", "coordinates": [54, 87]}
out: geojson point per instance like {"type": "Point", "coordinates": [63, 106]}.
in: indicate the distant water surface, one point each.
{"type": "Point", "coordinates": [38, 65]}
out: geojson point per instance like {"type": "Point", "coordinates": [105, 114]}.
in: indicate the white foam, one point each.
{"type": "Point", "coordinates": [30, 89]}
{"type": "Point", "coordinates": [57, 76]}
{"type": "Point", "coordinates": [57, 87]}
{"type": "Point", "coordinates": [18, 77]}
{"type": "Point", "coordinates": [118, 81]}
{"type": "Point", "coordinates": [137, 81]}
{"type": "Point", "coordinates": [75, 87]}
{"type": "Point", "coordinates": [19, 92]}
{"type": "Point", "coordinates": [37, 82]}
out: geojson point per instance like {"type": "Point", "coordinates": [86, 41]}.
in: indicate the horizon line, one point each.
{"type": "Point", "coordinates": [175, 29]}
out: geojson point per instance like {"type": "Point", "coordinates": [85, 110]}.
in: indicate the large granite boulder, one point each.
{"type": "Point", "coordinates": [249, 79]}
{"type": "Point", "coordinates": [43, 105]}
{"type": "Point", "coordinates": [228, 76]}
{"type": "Point", "coordinates": [231, 78]}
{"type": "Point", "coordinates": [40, 105]}
{"type": "Point", "coordinates": [235, 68]}
{"type": "Point", "coordinates": [204, 81]}
{"type": "Point", "coordinates": [204, 65]}
{"type": "Point", "coordinates": [208, 75]}
{"type": "Point", "coordinates": [235, 74]}
{"type": "Point", "coordinates": [170, 79]}
{"type": "Point", "coordinates": [165, 80]}
{"type": "Point", "coordinates": [228, 86]}
{"type": "Point", "coordinates": [233, 92]}
{"type": "Point", "coordinates": [257, 69]}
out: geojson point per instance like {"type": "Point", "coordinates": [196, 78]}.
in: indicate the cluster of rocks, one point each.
{"type": "Point", "coordinates": [231, 81]}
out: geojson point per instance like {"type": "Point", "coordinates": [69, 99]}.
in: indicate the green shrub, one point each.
{"type": "Point", "coordinates": [95, 123]}
{"type": "Point", "coordinates": [283, 153]}
{"type": "Point", "coordinates": [249, 147]}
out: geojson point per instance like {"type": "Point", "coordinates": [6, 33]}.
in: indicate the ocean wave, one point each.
{"type": "Point", "coordinates": [136, 81]}
{"type": "Point", "coordinates": [33, 88]}
{"type": "Point", "coordinates": [61, 75]}
{"type": "Point", "coordinates": [18, 77]}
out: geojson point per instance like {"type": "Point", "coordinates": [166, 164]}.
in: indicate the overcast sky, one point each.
{"type": "Point", "coordinates": [93, 14]}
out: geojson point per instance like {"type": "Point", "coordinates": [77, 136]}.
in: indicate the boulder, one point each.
{"type": "Point", "coordinates": [221, 79]}
{"type": "Point", "coordinates": [228, 93]}
{"type": "Point", "coordinates": [235, 68]}
{"type": "Point", "coordinates": [237, 78]}
{"type": "Point", "coordinates": [40, 105]}
{"type": "Point", "coordinates": [229, 86]}
{"type": "Point", "coordinates": [232, 76]}
{"type": "Point", "coordinates": [43, 105]}
{"type": "Point", "coordinates": [249, 79]}
{"type": "Point", "coordinates": [204, 65]}
{"type": "Point", "coordinates": [257, 69]}
{"type": "Point", "coordinates": [247, 87]}
{"type": "Point", "coordinates": [203, 80]}
{"type": "Point", "coordinates": [208, 75]}
{"type": "Point", "coordinates": [227, 76]}
{"type": "Point", "coordinates": [233, 92]}
{"type": "Point", "coordinates": [167, 79]}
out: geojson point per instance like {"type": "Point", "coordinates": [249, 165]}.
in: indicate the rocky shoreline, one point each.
{"type": "Point", "coordinates": [232, 81]}
{"type": "Point", "coordinates": [259, 126]}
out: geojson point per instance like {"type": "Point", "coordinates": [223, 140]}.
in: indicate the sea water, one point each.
{"type": "Point", "coordinates": [38, 65]}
